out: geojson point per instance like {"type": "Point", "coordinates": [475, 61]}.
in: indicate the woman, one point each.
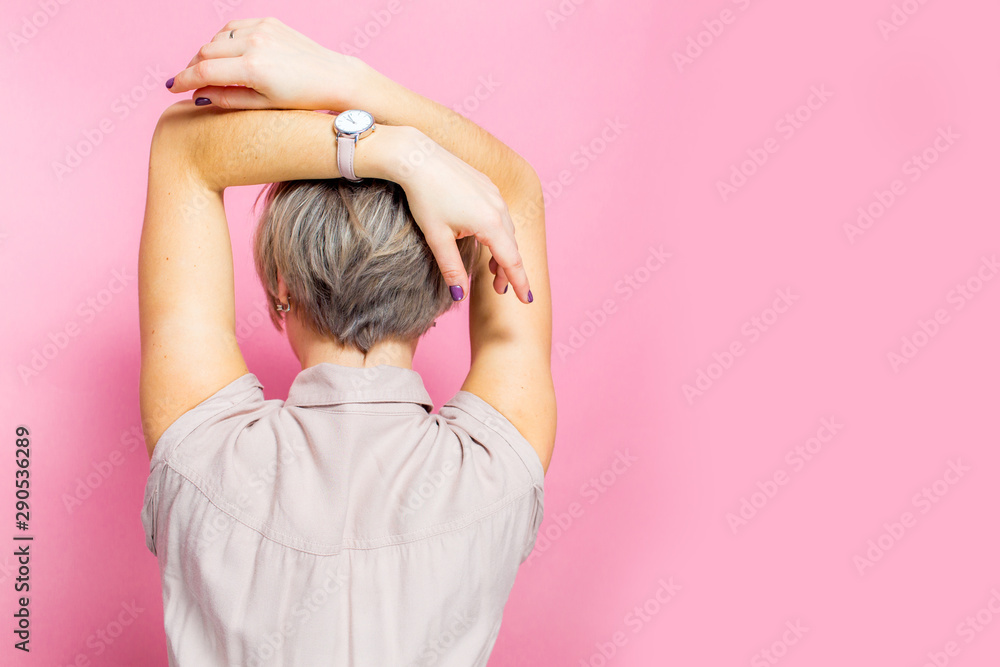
{"type": "Point", "coordinates": [348, 524]}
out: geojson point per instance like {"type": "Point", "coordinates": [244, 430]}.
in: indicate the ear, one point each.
{"type": "Point", "coordinates": [282, 290]}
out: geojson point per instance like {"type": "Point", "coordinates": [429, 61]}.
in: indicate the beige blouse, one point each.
{"type": "Point", "coordinates": [346, 525]}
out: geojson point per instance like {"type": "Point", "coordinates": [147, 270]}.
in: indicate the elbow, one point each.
{"type": "Point", "coordinates": [530, 195]}
{"type": "Point", "coordinates": [530, 181]}
{"type": "Point", "coordinates": [174, 145]}
{"type": "Point", "coordinates": [171, 126]}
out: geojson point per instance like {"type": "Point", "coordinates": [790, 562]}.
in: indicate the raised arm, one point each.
{"type": "Point", "coordinates": [511, 342]}
{"type": "Point", "coordinates": [261, 63]}
{"type": "Point", "coordinates": [186, 287]}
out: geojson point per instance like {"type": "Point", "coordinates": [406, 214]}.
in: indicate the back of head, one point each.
{"type": "Point", "coordinates": [356, 265]}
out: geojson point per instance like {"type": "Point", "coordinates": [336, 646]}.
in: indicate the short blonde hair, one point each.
{"type": "Point", "coordinates": [357, 266]}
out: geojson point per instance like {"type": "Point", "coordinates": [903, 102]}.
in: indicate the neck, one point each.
{"type": "Point", "coordinates": [312, 349]}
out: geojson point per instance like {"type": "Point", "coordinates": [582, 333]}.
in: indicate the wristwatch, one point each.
{"type": "Point", "coordinates": [351, 125]}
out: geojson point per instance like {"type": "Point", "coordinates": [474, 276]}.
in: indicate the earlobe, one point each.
{"type": "Point", "coordinates": [284, 302]}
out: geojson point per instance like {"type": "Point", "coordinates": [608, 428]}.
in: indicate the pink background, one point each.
{"type": "Point", "coordinates": [671, 132]}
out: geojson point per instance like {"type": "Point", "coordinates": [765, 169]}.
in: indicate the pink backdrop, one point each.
{"type": "Point", "coordinates": [773, 242]}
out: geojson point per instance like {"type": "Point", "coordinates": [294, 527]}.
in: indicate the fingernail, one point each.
{"type": "Point", "coordinates": [530, 298]}
{"type": "Point", "coordinates": [202, 101]}
{"type": "Point", "coordinates": [170, 82]}
{"type": "Point", "coordinates": [457, 292]}
{"type": "Point", "coordinates": [506, 287]}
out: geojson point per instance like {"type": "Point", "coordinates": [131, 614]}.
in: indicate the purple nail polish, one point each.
{"type": "Point", "coordinates": [506, 287]}
{"type": "Point", "coordinates": [457, 292]}
{"type": "Point", "coordinates": [202, 101]}
{"type": "Point", "coordinates": [170, 82]}
{"type": "Point", "coordinates": [530, 298]}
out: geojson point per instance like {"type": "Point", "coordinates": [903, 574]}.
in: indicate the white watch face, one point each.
{"type": "Point", "coordinates": [353, 121]}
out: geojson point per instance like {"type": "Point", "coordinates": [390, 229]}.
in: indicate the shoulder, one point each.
{"type": "Point", "coordinates": [491, 430]}
{"type": "Point", "coordinates": [217, 413]}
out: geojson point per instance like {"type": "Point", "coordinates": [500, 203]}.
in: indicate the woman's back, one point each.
{"type": "Point", "coordinates": [348, 524]}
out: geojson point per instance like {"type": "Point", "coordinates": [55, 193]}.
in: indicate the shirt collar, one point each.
{"type": "Point", "coordinates": [333, 384]}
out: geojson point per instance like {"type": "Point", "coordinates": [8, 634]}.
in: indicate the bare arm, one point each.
{"type": "Point", "coordinates": [393, 104]}
{"type": "Point", "coordinates": [268, 65]}
{"type": "Point", "coordinates": [186, 287]}
{"type": "Point", "coordinates": [511, 341]}
{"type": "Point", "coordinates": [186, 290]}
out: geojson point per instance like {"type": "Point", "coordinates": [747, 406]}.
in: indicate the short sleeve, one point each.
{"type": "Point", "coordinates": [489, 426]}
{"type": "Point", "coordinates": [242, 394]}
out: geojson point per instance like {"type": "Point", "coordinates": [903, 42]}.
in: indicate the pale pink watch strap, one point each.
{"type": "Point", "coordinates": [345, 157]}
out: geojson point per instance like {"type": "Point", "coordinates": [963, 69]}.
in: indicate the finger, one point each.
{"type": "Point", "coordinates": [500, 282]}
{"type": "Point", "coordinates": [232, 97]}
{"type": "Point", "coordinates": [232, 34]}
{"type": "Point", "coordinates": [236, 24]}
{"type": "Point", "coordinates": [215, 72]}
{"type": "Point", "coordinates": [239, 27]}
{"type": "Point", "coordinates": [229, 48]}
{"type": "Point", "coordinates": [449, 259]}
{"type": "Point", "coordinates": [501, 243]}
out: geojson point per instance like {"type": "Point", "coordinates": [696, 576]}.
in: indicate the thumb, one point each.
{"type": "Point", "coordinates": [231, 97]}
{"type": "Point", "coordinates": [449, 259]}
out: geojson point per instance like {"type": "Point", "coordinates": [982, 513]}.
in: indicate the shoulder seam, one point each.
{"type": "Point", "coordinates": [354, 544]}
{"type": "Point", "coordinates": [527, 466]}
{"type": "Point", "coordinates": [168, 457]}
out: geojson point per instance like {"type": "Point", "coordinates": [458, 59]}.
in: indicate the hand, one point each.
{"type": "Point", "coordinates": [264, 64]}
{"type": "Point", "coordinates": [449, 200]}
